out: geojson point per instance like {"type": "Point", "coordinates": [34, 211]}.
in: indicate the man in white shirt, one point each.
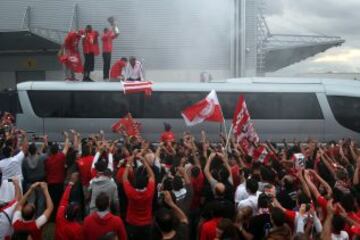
{"type": "Point", "coordinates": [133, 70]}
{"type": "Point", "coordinates": [11, 166]}
{"type": "Point", "coordinates": [7, 211]}
{"type": "Point", "coordinates": [252, 187]}
{"type": "Point", "coordinates": [241, 193]}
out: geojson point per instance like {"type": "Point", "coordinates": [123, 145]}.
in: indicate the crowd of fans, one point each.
{"type": "Point", "coordinates": [94, 188]}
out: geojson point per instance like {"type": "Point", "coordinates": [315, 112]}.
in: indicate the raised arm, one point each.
{"type": "Point", "coordinates": [64, 202]}
{"type": "Point", "coordinates": [149, 171]}
{"type": "Point", "coordinates": [354, 153]}
{"type": "Point", "coordinates": [45, 144]}
{"type": "Point", "coordinates": [25, 142]}
{"type": "Point", "coordinates": [111, 156]}
{"type": "Point", "coordinates": [207, 172]}
{"type": "Point", "coordinates": [49, 203]}
{"type": "Point", "coordinates": [182, 172]}
{"type": "Point", "coordinates": [312, 187]}
{"type": "Point", "coordinates": [177, 211]}
{"type": "Point", "coordinates": [66, 143]}
{"type": "Point", "coordinates": [76, 140]}
{"type": "Point", "coordinates": [99, 149]}
{"type": "Point", "coordinates": [304, 185]}
{"type": "Point", "coordinates": [356, 172]}
{"type": "Point", "coordinates": [23, 200]}
{"type": "Point", "coordinates": [225, 160]}
{"type": "Point", "coordinates": [327, 162]}
{"type": "Point", "coordinates": [322, 182]}
{"type": "Point", "coordinates": [127, 167]}
{"type": "Point", "coordinates": [326, 231]}
{"type": "Point", "coordinates": [18, 192]}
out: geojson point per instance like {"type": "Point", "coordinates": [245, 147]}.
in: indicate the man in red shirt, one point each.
{"type": "Point", "coordinates": [117, 69]}
{"type": "Point", "coordinates": [107, 39]}
{"type": "Point", "coordinates": [208, 229]}
{"type": "Point", "coordinates": [89, 48]}
{"type": "Point", "coordinates": [67, 226]}
{"type": "Point", "coordinates": [70, 56]}
{"type": "Point", "coordinates": [84, 164]}
{"type": "Point", "coordinates": [55, 168]}
{"type": "Point", "coordinates": [168, 135]}
{"type": "Point", "coordinates": [23, 220]}
{"type": "Point", "coordinates": [102, 221]}
{"type": "Point", "coordinates": [140, 196]}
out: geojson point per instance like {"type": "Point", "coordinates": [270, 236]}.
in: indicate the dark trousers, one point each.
{"type": "Point", "coordinates": [107, 62]}
{"type": "Point", "coordinates": [55, 191]}
{"type": "Point", "coordinates": [88, 65]}
{"type": "Point", "coordinates": [139, 232]}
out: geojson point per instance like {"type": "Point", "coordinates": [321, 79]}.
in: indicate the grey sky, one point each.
{"type": "Point", "coordinates": [328, 17]}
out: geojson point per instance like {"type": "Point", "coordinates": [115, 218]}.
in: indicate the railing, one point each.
{"type": "Point", "coordinates": [54, 35]}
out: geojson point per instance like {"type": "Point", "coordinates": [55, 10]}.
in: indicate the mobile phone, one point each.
{"type": "Point", "coordinates": [10, 180]}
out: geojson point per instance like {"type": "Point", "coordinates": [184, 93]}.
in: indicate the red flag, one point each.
{"type": "Point", "coordinates": [261, 154]}
{"type": "Point", "coordinates": [137, 87]}
{"type": "Point", "coordinates": [127, 124]}
{"type": "Point", "coordinates": [207, 109]}
{"type": "Point", "coordinates": [242, 125]}
{"type": "Point", "coordinates": [72, 61]}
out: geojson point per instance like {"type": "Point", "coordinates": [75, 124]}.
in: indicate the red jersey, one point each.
{"type": "Point", "coordinates": [88, 42]}
{"type": "Point", "coordinates": [139, 210]}
{"type": "Point", "coordinates": [95, 46]}
{"type": "Point", "coordinates": [120, 173]}
{"type": "Point", "coordinates": [198, 185]}
{"type": "Point", "coordinates": [55, 168]}
{"type": "Point", "coordinates": [84, 165]}
{"type": "Point", "coordinates": [96, 226]}
{"type": "Point", "coordinates": [167, 136]}
{"type": "Point", "coordinates": [66, 230]}
{"type": "Point", "coordinates": [71, 41]}
{"type": "Point", "coordinates": [107, 39]}
{"type": "Point", "coordinates": [235, 171]}
{"type": "Point", "coordinates": [20, 225]}
{"type": "Point", "coordinates": [117, 68]}
{"type": "Point", "coordinates": [208, 229]}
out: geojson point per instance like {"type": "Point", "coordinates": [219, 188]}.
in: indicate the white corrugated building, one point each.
{"type": "Point", "coordinates": [177, 40]}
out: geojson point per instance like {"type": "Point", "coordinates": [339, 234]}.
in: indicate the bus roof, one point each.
{"type": "Point", "coordinates": [330, 86]}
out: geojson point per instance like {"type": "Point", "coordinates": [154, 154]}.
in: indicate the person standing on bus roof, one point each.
{"type": "Point", "coordinates": [89, 52]}
{"type": "Point", "coordinates": [133, 70]}
{"type": "Point", "coordinates": [107, 38]}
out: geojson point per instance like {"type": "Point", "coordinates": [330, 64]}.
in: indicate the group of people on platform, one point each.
{"type": "Point", "coordinates": [69, 55]}
{"type": "Point", "coordinates": [182, 188]}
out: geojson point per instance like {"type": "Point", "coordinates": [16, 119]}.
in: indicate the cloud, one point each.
{"type": "Point", "coordinates": [320, 17]}
{"type": "Point", "coordinates": [343, 56]}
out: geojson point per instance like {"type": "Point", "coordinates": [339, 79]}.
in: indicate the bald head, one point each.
{"type": "Point", "coordinates": [28, 212]}
{"type": "Point", "coordinates": [219, 189]}
{"type": "Point", "coordinates": [150, 157]}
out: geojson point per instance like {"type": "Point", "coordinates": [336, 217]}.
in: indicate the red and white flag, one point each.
{"type": "Point", "coordinates": [72, 61]}
{"type": "Point", "coordinates": [137, 87]}
{"type": "Point", "coordinates": [243, 128]}
{"type": "Point", "coordinates": [207, 109]}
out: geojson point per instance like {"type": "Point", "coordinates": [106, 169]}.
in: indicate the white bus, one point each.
{"type": "Point", "coordinates": [282, 108]}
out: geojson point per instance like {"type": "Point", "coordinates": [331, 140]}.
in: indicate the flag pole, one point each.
{"type": "Point", "coordinates": [228, 137]}
{"type": "Point", "coordinates": [225, 130]}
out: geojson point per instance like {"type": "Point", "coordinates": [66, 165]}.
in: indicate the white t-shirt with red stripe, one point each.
{"type": "Point", "coordinates": [6, 215]}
